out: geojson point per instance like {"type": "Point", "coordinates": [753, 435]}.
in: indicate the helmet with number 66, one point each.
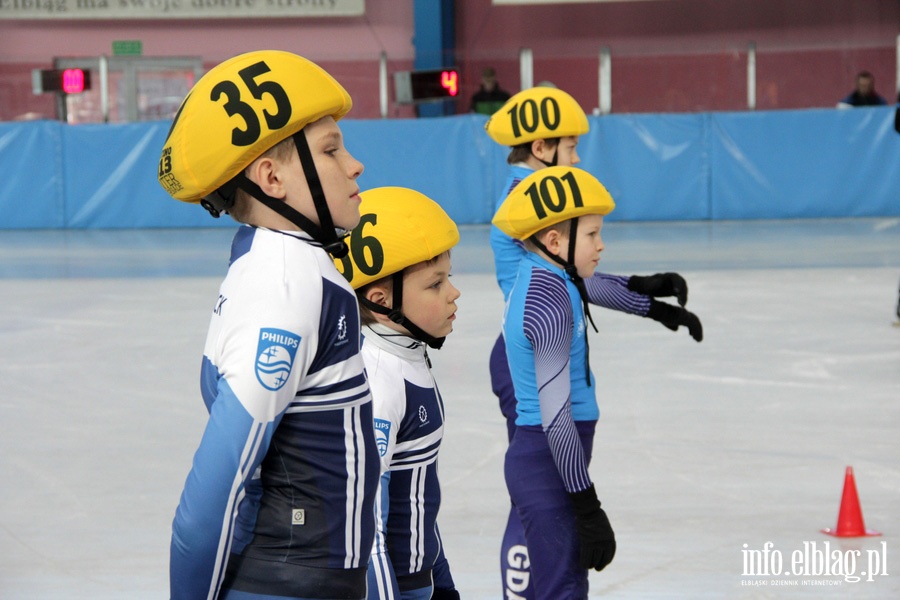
{"type": "Point", "coordinates": [398, 228]}
{"type": "Point", "coordinates": [537, 113]}
{"type": "Point", "coordinates": [551, 196]}
{"type": "Point", "coordinates": [237, 111]}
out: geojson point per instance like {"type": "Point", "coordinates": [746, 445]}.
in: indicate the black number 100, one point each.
{"type": "Point", "coordinates": [527, 116]}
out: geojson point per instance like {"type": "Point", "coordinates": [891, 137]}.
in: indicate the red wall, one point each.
{"type": "Point", "coordinates": [688, 55]}
{"type": "Point", "coordinates": [349, 48]}
{"type": "Point", "coordinates": [667, 55]}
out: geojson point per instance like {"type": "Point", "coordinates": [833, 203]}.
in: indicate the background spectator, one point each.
{"type": "Point", "coordinates": [864, 94]}
{"type": "Point", "coordinates": [490, 96]}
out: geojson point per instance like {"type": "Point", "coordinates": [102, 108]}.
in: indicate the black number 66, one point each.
{"type": "Point", "coordinates": [369, 263]}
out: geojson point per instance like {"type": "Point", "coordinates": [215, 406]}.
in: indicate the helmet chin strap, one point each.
{"type": "Point", "coordinates": [223, 199]}
{"type": "Point", "coordinates": [395, 314]}
{"type": "Point", "coordinates": [572, 272]}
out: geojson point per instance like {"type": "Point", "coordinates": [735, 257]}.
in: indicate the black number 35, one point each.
{"type": "Point", "coordinates": [236, 106]}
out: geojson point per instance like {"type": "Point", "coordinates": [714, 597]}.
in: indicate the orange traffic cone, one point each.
{"type": "Point", "coordinates": [850, 519]}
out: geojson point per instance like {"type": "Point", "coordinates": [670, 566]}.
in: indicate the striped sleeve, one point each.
{"type": "Point", "coordinates": [611, 291]}
{"type": "Point", "coordinates": [548, 325]}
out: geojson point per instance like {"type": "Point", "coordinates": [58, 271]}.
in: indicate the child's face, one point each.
{"type": "Point", "coordinates": [567, 152]}
{"type": "Point", "coordinates": [429, 299]}
{"type": "Point", "coordinates": [588, 245]}
{"type": "Point", "coordinates": [337, 171]}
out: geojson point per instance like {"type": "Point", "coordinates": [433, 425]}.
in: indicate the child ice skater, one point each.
{"type": "Point", "coordinates": [558, 213]}
{"type": "Point", "coordinates": [399, 264]}
{"type": "Point", "coordinates": [279, 500]}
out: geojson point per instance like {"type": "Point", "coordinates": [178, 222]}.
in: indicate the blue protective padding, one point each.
{"type": "Point", "coordinates": [31, 186]}
{"type": "Point", "coordinates": [654, 166]}
{"type": "Point", "coordinates": [450, 160]}
{"type": "Point", "coordinates": [755, 165]}
{"type": "Point", "coordinates": [114, 179]}
{"type": "Point", "coordinates": [805, 163]}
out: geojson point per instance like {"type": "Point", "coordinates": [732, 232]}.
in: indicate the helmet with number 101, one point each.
{"type": "Point", "coordinates": [398, 228]}
{"type": "Point", "coordinates": [239, 110]}
{"type": "Point", "coordinates": [537, 113]}
{"type": "Point", "coordinates": [551, 196]}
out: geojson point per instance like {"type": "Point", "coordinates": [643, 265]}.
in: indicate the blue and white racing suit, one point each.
{"type": "Point", "coordinates": [407, 559]}
{"type": "Point", "coordinates": [279, 500]}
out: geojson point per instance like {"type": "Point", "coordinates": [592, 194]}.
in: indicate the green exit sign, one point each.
{"type": "Point", "coordinates": [127, 48]}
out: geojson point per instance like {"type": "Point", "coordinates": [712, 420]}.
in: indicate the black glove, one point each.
{"type": "Point", "coordinates": [661, 284]}
{"type": "Point", "coordinates": [437, 594]}
{"type": "Point", "coordinates": [598, 543]}
{"type": "Point", "coordinates": [673, 316]}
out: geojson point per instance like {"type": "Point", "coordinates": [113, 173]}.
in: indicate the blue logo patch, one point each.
{"type": "Point", "coordinates": [382, 435]}
{"type": "Point", "coordinates": [275, 356]}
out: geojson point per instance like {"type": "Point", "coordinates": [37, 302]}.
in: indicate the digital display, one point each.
{"type": "Point", "coordinates": [68, 81]}
{"type": "Point", "coordinates": [423, 86]}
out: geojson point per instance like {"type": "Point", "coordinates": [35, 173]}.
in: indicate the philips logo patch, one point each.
{"type": "Point", "coordinates": [275, 356]}
{"type": "Point", "coordinates": [382, 435]}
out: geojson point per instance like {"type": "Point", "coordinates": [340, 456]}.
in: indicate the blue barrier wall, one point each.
{"type": "Point", "coordinates": [762, 165]}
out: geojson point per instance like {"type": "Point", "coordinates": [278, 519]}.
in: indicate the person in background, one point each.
{"type": "Point", "coordinates": [897, 115]}
{"type": "Point", "coordinates": [864, 94]}
{"type": "Point", "coordinates": [490, 96]}
{"type": "Point", "coordinates": [897, 129]}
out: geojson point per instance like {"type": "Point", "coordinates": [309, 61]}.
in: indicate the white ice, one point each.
{"type": "Point", "coordinates": [703, 451]}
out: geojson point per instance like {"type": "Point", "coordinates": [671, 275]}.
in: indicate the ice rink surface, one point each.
{"type": "Point", "coordinates": [703, 455]}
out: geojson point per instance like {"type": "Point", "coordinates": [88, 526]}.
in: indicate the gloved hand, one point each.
{"type": "Point", "coordinates": [673, 316]}
{"type": "Point", "coordinates": [438, 594]}
{"type": "Point", "coordinates": [598, 543]}
{"type": "Point", "coordinates": [661, 284]}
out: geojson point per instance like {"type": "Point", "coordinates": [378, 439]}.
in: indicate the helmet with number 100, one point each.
{"type": "Point", "coordinates": [239, 110]}
{"type": "Point", "coordinates": [398, 228]}
{"type": "Point", "coordinates": [549, 196]}
{"type": "Point", "coordinates": [537, 113]}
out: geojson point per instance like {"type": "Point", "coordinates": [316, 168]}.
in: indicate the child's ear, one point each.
{"type": "Point", "coordinates": [269, 176]}
{"type": "Point", "coordinates": [379, 295]}
{"type": "Point", "coordinates": [543, 149]}
{"type": "Point", "coordinates": [382, 296]}
{"type": "Point", "coordinates": [539, 148]}
{"type": "Point", "coordinates": [552, 241]}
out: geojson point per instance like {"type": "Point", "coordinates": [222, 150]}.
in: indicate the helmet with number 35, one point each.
{"type": "Point", "coordinates": [398, 228]}
{"type": "Point", "coordinates": [237, 111]}
{"type": "Point", "coordinates": [551, 196]}
{"type": "Point", "coordinates": [537, 113]}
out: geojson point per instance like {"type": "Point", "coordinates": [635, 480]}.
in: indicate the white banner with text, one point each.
{"type": "Point", "coordinates": [178, 9]}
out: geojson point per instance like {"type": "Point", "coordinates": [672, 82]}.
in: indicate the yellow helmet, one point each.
{"type": "Point", "coordinates": [237, 111]}
{"type": "Point", "coordinates": [537, 113]}
{"type": "Point", "coordinates": [549, 196]}
{"type": "Point", "coordinates": [398, 228]}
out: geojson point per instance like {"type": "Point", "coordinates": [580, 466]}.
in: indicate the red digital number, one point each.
{"type": "Point", "coordinates": [450, 82]}
{"type": "Point", "coordinates": [73, 81]}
